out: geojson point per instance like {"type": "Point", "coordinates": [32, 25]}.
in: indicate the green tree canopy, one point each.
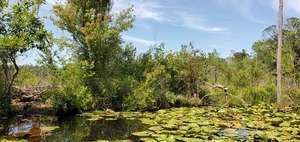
{"type": "Point", "coordinates": [20, 30]}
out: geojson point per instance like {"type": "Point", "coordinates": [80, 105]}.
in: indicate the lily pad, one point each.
{"type": "Point", "coordinates": [111, 119]}
{"type": "Point", "coordinates": [284, 124]}
{"type": "Point", "coordinates": [35, 131]}
{"type": "Point", "coordinates": [102, 141]}
{"type": "Point", "coordinates": [127, 140]}
{"type": "Point", "coordinates": [94, 118]}
{"type": "Point", "coordinates": [156, 128]}
{"type": "Point", "coordinates": [49, 128]}
{"type": "Point", "coordinates": [143, 133]}
{"type": "Point", "coordinates": [148, 139]}
{"type": "Point", "coordinates": [192, 140]}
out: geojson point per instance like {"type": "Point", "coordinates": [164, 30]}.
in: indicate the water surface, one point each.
{"type": "Point", "coordinates": [75, 128]}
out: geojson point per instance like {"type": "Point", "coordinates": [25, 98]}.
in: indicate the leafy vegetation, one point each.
{"type": "Point", "coordinates": [21, 30]}
{"type": "Point", "coordinates": [184, 95]}
{"type": "Point", "coordinates": [262, 122]}
{"type": "Point", "coordinates": [103, 73]}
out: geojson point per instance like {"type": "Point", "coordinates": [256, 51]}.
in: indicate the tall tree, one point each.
{"type": "Point", "coordinates": [97, 36]}
{"type": "Point", "coordinates": [279, 52]}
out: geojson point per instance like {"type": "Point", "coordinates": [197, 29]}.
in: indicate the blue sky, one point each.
{"type": "Point", "coordinates": [224, 25]}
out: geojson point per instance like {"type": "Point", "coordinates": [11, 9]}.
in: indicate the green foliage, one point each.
{"type": "Point", "coordinates": [98, 42]}
{"type": "Point", "coordinates": [266, 53]}
{"type": "Point", "coordinates": [28, 77]}
{"type": "Point", "coordinates": [20, 30]}
{"type": "Point", "coordinates": [195, 101]}
{"type": "Point", "coordinates": [125, 88]}
{"type": "Point", "coordinates": [263, 93]}
{"type": "Point", "coordinates": [101, 74]}
{"type": "Point", "coordinates": [181, 100]}
{"type": "Point", "coordinates": [69, 93]}
{"type": "Point", "coordinates": [170, 97]}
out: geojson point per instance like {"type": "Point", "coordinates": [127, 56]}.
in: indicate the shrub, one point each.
{"type": "Point", "coordinates": [195, 101]}
{"type": "Point", "coordinates": [69, 94]}
{"type": "Point", "coordinates": [181, 101]}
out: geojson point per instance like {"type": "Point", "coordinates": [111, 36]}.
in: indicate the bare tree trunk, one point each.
{"type": "Point", "coordinates": [279, 53]}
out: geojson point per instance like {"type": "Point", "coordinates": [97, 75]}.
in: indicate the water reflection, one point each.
{"type": "Point", "coordinates": [77, 129]}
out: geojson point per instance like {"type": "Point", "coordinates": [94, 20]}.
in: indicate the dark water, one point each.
{"type": "Point", "coordinates": [76, 128]}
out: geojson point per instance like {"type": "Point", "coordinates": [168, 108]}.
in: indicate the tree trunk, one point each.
{"type": "Point", "coordinates": [279, 52]}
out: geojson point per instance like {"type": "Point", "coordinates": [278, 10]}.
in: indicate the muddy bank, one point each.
{"type": "Point", "coordinates": [26, 100]}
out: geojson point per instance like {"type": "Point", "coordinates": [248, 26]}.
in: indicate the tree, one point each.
{"type": "Point", "coordinates": [279, 52]}
{"type": "Point", "coordinates": [98, 40]}
{"type": "Point", "coordinates": [21, 30]}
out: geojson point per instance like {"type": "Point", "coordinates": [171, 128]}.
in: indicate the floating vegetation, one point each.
{"type": "Point", "coordinates": [257, 123]}
{"type": "Point", "coordinates": [33, 135]}
{"type": "Point", "coordinates": [197, 124]}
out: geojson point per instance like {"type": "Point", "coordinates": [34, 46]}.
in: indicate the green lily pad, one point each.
{"type": "Point", "coordinates": [148, 121]}
{"type": "Point", "coordinates": [49, 128]}
{"type": "Point", "coordinates": [170, 126]}
{"type": "Point", "coordinates": [102, 141]}
{"type": "Point", "coordinates": [94, 118]}
{"type": "Point", "coordinates": [111, 119]}
{"type": "Point", "coordinates": [128, 140]}
{"type": "Point", "coordinates": [183, 128]}
{"type": "Point", "coordinates": [143, 133]}
{"type": "Point", "coordinates": [148, 140]}
{"type": "Point", "coordinates": [171, 138]}
{"type": "Point", "coordinates": [284, 124]}
{"type": "Point", "coordinates": [192, 140]}
{"type": "Point", "coordinates": [156, 128]}
{"type": "Point", "coordinates": [295, 122]}
{"type": "Point", "coordinates": [193, 125]}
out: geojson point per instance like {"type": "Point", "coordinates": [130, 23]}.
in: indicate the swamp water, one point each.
{"type": "Point", "coordinates": [257, 123]}
{"type": "Point", "coordinates": [75, 129]}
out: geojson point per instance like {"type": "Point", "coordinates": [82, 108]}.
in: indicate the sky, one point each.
{"type": "Point", "coordinates": [225, 25]}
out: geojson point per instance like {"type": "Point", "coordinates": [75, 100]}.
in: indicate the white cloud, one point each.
{"type": "Point", "coordinates": [139, 40]}
{"type": "Point", "coordinates": [149, 9]}
{"type": "Point", "coordinates": [191, 21]}
{"type": "Point", "coordinates": [156, 11]}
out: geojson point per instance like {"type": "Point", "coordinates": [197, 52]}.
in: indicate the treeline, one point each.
{"type": "Point", "coordinates": [102, 72]}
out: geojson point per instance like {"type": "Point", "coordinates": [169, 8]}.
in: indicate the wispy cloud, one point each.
{"type": "Point", "coordinates": [243, 7]}
{"type": "Point", "coordinates": [149, 9]}
{"type": "Point", "coordinates": [139, 40]}
{"type": "Point", "coordinates": [193, 22]}
{"type": "Point", "coordinates": [156, 11]}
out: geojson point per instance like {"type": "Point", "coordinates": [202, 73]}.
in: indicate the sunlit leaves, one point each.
{"type": "Point", "coordinates": [20, 30]}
